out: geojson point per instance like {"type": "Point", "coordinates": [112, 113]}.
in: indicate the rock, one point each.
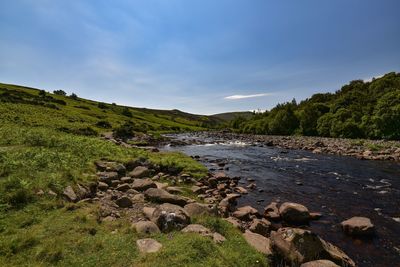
{"type": "Point", "coordinates": [272, 212]}
{"type": "Point", "coordinates": [298, 246]}
{"type": "Point", "coordinates": [102, 186]}
{"type": "Point", "coordinates": [358, 226]}
{"type": "Point", "coordinates": [146, 227]}
{"type": "Point", "coordinates": [69, 193]}
{"type": "Point", "coordinates": [107, 177]}
{"type": "Point", "coordinates": [197, 189]}
{"type": "Point", "coordinates": [319, 263]}
{"type": "Point", "coordinates": [241, 190]}
{"type": "Point", "coordinates": [162, 196]}
{"type": "Point", "coordinates": [82, 192]}
{"type": "Point", "coordinates": [315, 215]}
{"type": "Point", "coordinates": [235, 222]}
{"type": "Point", "coordinates": [161, 185]}
{"type": "Point", "coordinates": [258, 242]}
{"type": "Point", "coordinates": [148, 245]}
{"type": "Point", "coordinates": [143, 184]}
{"type": "Point", "coordinates": [138, 198]}
{"type": "Point", "coordinates": [174, 190]}
{"type": "Point", "coordinates": [294, 213]}
{"type": "Point", "coordinates": [260, 226]}
{"type": "Point", "coordinates": [244, 213]}
{"type": "Point", "coordinates": [139, 172]}
{"type": "Point", "coordinates": [220, 176]}
{"type": "Point", "coordinates": [119, 168]}
{"type": "Point", "coordinates": [124, 202]}
{"type": "Point", "coordinates": [123, 187]}
{"type": "Point", "coordinates": [126, 180]}
{"type": "Point", "coordinates": [169, 217]}
{"type": "Point", "coordinates": [197, 209]}
{"type": "Point", "coordinates": [203, 231]}
{"type": "Point", "coordinates": [148, 212]}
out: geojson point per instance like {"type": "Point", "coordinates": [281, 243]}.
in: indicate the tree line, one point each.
{"type": "Point", "coordinates": [359, 109]}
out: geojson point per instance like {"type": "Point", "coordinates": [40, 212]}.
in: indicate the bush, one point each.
{"type": "Point", "coordinates": [74, 96]}
{"type": "Point", "coordinates": [103, 124]}
{"type": "Point", "coordinates": [125, 131]}
{"type": "Point", "coordinates": [59, 92]}
{"type": "Point", "coordinates": [126, 112]}
{"type": "Point", "coordinates": [102, 105]}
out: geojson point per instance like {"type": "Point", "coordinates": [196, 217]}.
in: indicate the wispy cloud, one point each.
{"type": "Point", "coordinates": [237, 97]}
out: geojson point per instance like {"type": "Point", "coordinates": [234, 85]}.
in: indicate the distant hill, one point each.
{"type": "Point", "coordinates": [360, 109]}
{"type": "Point", "coordinates": [34, 107]}
{"type": "Point", "coordinates": [228, 116]}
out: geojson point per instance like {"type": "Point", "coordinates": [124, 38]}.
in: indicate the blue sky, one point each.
{"type": "Point", "coordinates": [199, 56]}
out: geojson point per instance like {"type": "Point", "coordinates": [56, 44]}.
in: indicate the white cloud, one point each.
{"type": "Point", "coordinates": [236, 97]}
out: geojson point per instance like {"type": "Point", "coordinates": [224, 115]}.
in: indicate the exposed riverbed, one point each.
{"type": "Point", "coordinates": [338, 186]}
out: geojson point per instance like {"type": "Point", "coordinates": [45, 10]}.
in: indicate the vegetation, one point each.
{"type": "Point", "coordinates": [48, 141]}
{"type": "Point", "coordinates": [358, 110]}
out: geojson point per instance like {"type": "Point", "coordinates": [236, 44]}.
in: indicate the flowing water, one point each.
{"type": "Point", "coordinates": [339, 187]}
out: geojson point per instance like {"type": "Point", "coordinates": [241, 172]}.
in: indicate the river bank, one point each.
{"type": "Point", "coordinates": [359, 148]}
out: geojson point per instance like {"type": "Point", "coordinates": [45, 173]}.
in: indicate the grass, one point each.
{"type": "Point", "coordinates": [44, 146]}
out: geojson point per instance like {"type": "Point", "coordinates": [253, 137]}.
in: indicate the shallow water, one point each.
{"type": "Point", "coordinates": [339, 187]}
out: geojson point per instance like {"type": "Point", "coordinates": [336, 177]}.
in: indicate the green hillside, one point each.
{"type": "Point", "coordinates": [37, 108]}
{"type": "Point", "coordinates": [49, 142]}
{"type": "Point", "coordinates": [358, 110]}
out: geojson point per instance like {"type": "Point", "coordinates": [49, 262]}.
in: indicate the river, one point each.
{"type": "Point", "coordinates": [337, 186]}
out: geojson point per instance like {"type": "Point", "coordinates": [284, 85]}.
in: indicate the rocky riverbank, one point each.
{"type": "Point", "coordinates": [359, 148]}
{"type": "Point", "coordinates": [161, 201]}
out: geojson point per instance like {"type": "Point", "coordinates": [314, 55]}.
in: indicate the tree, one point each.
{"type": "Point", "coordinates": [74, 96]}
{"type": "Point", "coordinates": [59, 92]}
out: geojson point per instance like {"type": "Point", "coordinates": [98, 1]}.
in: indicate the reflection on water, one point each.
{"type": "Point", "coordinates": [339, 187]}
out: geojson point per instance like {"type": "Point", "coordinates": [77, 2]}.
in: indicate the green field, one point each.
{"type": "Point", "coordinates": [48, 142]}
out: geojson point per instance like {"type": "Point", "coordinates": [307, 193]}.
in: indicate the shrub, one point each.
{"type": "Point", "coordinates": [102, 105]}
{"type": "Point", "coordinates": [74, 96]}
{"type": "Point", "coordinates": [125, 131]}
{"type": "Point", "coordinates": [103, 124]}
{"type": "Point", "coordinates": [59, 92]}
{"type": "Point", "coordinates": [126, 112]}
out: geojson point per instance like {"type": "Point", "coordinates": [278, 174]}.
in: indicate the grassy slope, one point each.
{"type": "Point", "coordinates": [46, 231]}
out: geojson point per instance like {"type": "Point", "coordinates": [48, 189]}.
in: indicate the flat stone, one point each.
{"type": "Point", "coordinates": [235, 222]}
{"type": "Point", "coordinates": [102, 186]}
{"type": "Point", "coordinates": [203, 231]}
{"type": "Point", "coordinates": [162, 196]}
{"type": "Point", "coordinates": [148, 212]}
{"type": "Point", "coordinates": [146, 227]}
{"type": "Point", "coordinates": [258, 242]}
{"type": "Point", "coordinates": [174, 190]}
{"type": "Point", "coordinates": [138, 198]}
{"type": "Point", "coordinates": [107, 177]}
{"type": "Point", "coordinates": [244, 213]}
{"type": "Point", "coordinates": [139, 172]}
{"type": "Point", "coordinates": [123, 187]}
{"type": "Point", "coordinates": [358, 226]}
{"type": "Point", "coordinates": [148, 245]}
{"type": "Point", "coordinates": [143, 184]}
{"type": "Point", "coordinates": [126, 179]}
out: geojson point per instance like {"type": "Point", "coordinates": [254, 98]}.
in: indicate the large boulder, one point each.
{"type": "Point", "coordinates": [148, 212]}
{"type": "Point", "coordinates": [259, 242]}
{"type": "Point", "coordinates": [245, 213]}
{"type": "Point", "coordinates": [358, 226]}
{"type": "Point", "coordinates": [143, 184]}
{"type": "Point", "coordinates": [297, 246]}
{"type": "Point", "coordinates": [146, 227]}
{"type": "Point", "coordinates": [169, 217]}
{"type": "Point", "coordinates": [139, 172]}
{"type": "Point", "coordinates": [319, 263]}
{"type": "Point", "coordinates": [148, 245]}
{"type": "Point", "coordinates": [294, 213]}
{"type": "Point", "coordinates": [162, 196]}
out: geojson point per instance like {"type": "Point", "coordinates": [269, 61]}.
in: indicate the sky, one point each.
{"type": "Point", "coordinates": [199, 56]}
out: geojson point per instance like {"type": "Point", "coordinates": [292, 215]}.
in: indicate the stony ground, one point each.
{"type": "Point", "coordinates": [156, 201]}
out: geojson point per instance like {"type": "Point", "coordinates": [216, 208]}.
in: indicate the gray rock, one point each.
{"type": "Point", "coordinates": [148, 212]}
{"type": "Point", "coordinates": [139, 172]}
{"type": "Point", "coordinates": [162, 196]}
{"type": "Point", "coordinates": [146, 227]}
{"type": "Point", "coordinates": [102, 186]}
{"type": "Point", "coordinates": [299, 246]}
{"type": "Point", "coordinates": [69, 194]}
{"type": "Point", "coordinates": [258, 242]}
{"type": "Point", "coordinates": [107, 177]}
{"type": "Point", "coordinates": [123, 187]}
{"type": "Point", "coordinates": [203, 231]}
{"type": "Point", "coordinates": [294, 213]}
{"type": "Point", "coordinates": [143, 184]}
{"type": "Point", "coordinates": [358, 226]}
{"type": "Point", "coordinates": [148, 245]}
{"type": "Point", "coordinates": [169, 217]}
{"type": "Point", "coordinates": [245, 213]}
{"type": "Point", "coordinates": [197, 209]}
{"type": "Point", "coordinates": [260, 226]}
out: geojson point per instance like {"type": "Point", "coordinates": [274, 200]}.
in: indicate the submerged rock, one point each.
{"type": "Point", "coordinates": [358, 226]}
